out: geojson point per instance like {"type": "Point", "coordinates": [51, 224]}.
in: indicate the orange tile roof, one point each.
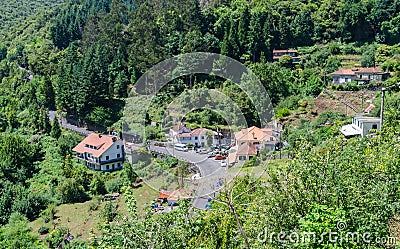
{"type": "Point", "coordinates": [102, 142]}
{"type": "Point", "coordinates": [163, 194]}
{"type": "Point", "coordinates": [179, 194]}
{"type": "Point", "coordinates": [254, 133]}
{"type": "Point", "coordinates": [247, 149]}
{"type": "Point", "coordinates": [178, 127]}
{"type": "Point", "coordinates": [200, 131]}
{"type": "Point", "coordinates": [369, 70]}
{"type": "Point", "coordinates": [345, 71]}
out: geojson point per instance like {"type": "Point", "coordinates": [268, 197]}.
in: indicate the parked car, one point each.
{"type": "Point", "coordinates": [219, 157]}
{"type": "Point", "coordinates": [212, 154]}
{"type": "Point", "coordinates": [223, 163]}
{"type": "Point", "coordinates": [202, 151]}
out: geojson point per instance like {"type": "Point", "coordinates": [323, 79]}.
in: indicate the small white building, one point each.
{"type": "Point", "coordinates": [198, 137]}
{"type": "Point", "coordinates": [344, 76]}
{"type": "Point", "coordinates": [100, 152]}
{"type": "Point", "coordinates": [360, 126]}
{"type": "Point", "coordinates": [360, 75]}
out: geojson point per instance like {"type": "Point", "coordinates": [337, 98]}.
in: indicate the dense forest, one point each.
{"type": "Point", "coordinates": [81, 59]}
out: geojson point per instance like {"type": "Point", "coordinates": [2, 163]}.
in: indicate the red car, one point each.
{"type": "Point", "coordinates": [219, 157]}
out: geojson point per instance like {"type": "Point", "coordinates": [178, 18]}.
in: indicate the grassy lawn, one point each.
{"type": "Point", "coordinates": [259, 170]}
{"type": "Point", "coordinates": [77, 217]}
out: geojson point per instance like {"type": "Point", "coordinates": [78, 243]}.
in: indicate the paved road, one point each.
{"type": "Point", "coordinates": [210, 169]}
{"type": "Point", "coordinates": [68, 126]}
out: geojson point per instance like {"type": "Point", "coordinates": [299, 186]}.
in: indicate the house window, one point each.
{"type": "Point", "coordinates": [107, 158]}
{"type": "Point", "coordinates": [107, 167]}
{"type": "Point", "coordinates": [202, 137]}
{"type": "Point", "coordinates": [118, 146]}
{"type": "Point", "coordinates": [196, 138]}
{"type": "Point", "coordinates": [271, 139]}
{"type": "Point", "coordinates": [375, 126]}
{"type": "Point", "coordinates": [119, 165]}
{"type": "Point", "coordinates": [242, 158]}
{"type": "Point", "coordinates": [118, 155]}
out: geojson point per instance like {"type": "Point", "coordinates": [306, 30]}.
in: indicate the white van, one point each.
{"type": "Point", "coordinates": [181, 147]}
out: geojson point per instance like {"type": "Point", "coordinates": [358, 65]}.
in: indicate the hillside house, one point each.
{"type": "Point", "coordinates": [100, 152]}
{"type": "Point", "coordinates": [360, 126]}
{"type": "Point", "coordinates": [198, 137]}
{"type": "Point", "coordinates": [262, 138]}
{"type": "Point", "coordinates": [276, 54]}
{"type": "Point", "coordinates": [361, 75]}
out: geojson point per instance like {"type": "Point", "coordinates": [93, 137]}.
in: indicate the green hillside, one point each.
{"type": "Point", "coordinates": [81, 59]}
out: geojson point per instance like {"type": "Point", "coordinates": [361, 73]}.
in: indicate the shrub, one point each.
{"type": "Point", "coordinates": [71, 191]}
{"type": "Point", "coordinates": [114, 185]}
{"type": "Point", "coordinates": [94, 205]}
{"type": "Point", "coordinates": [43, 230]}
{"type": "Point", "coordinates": [352, 86]}
{"type": "Point", "coordinates": [284, 112]}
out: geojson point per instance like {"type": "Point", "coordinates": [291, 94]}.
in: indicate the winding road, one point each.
{"type": "Point", "coordinates": [211, 173]}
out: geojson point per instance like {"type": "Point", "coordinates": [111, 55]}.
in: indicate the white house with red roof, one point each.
{"type": "Point", "coordinates": [262, 138]}
{"type": "Point", "coordinates": [198, 137]}
{"type": "Point", "coordinates": [250, 141]}
{"type": "Point", "coordinates": [100, 152]}
{"type": "Point", "coordinates": [361, 75]}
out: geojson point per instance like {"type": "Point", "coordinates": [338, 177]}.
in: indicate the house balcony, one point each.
{"type": "Point", "coordinates": [121, 159]}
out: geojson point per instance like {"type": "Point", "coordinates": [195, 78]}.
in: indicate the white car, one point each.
{"type": "Point", "coordinates": [223, 163]}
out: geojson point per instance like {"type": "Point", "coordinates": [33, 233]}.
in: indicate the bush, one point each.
{"type": "Point", "coordinates": [352, 86]}
{"type": "Point", "coordinates": [94, 205]}
{"type": "Point", "coordinates": [56, 236]}
{"type": "Point", "coordinates": [71, 191]}
{"type": "Point", "coordinates": [283, 113]}
{"type": "Point", "coordinates": [43, 230]}
{"type": "Point", "coordinates": [97, 186]}
{"type": "Point", "coordinates": [303, 103]}
{"type": "Point", "coordinates": [109, 211]}
{"type": "Point", "coordinates": [114, 185]}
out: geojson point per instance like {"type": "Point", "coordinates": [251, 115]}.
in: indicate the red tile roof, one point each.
{"type": "Point", "coordinates": [163, 194]}
{"type": "Point", "coordinates": [254, 133]}
{"type": "Point", "coordinates": [101, 142]}
{"type": "Point", "coordinates": [200, 131]}
{"type": "Point", "coordinates": [247, 149]}
{"type": "Point", "coordinates": [185, 134]}
{"type": "Point", "coordinates": [179, 194]}
{"type": "Point", "coordinates": [354, 71]}
{"type": "Point", "coordinates": [369, 70]}
{"type": "Point", "coordinates": [345, 71]}
{"type": "Point", "coordinates": [178, 127]}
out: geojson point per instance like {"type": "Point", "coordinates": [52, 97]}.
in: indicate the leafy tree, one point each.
{"type": "Point", "coordinates": [16, 158]}
{"type": "Point", "coordinates": [55, 129]}
{"type": "Point", "coordinates": [368, 57]}
{"type": "Point", "coordinates": [70, 191]}
{"type": "Point", "coordinates": [17, 234]}
{"type": "Point", "coordinates": [97, 185]}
